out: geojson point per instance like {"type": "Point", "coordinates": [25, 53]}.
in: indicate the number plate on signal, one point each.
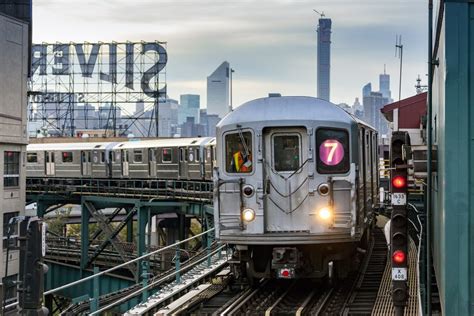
{"type": "Point", "coordinates": [399, 199]}
{"type": "Point", "coordinates": [399, 274]}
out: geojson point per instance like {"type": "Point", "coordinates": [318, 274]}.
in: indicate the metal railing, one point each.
{"type": "Point", "coordinates": [124, 264]}
{"type": "Point", "coordinates": [193, 190]}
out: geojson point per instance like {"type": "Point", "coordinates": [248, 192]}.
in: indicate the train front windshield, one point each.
{"type": "Point", "coordinates": [238, 152]}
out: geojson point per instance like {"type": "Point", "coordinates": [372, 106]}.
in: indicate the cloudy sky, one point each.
{"type": "Point", "coordinates": [271, 44]}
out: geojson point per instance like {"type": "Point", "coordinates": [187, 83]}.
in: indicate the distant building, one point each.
{"type": "Point", "coordinates": [373, 103]}
{"type": "Point", "coordinates": [384, 84]}
{"type": "Point", "coordinates": [366, 90]}
{"type": "Point", "coordinates": [358, 109]}
{"type": "Point", "coordinates": [189, 106]}
{"type": "Point", "coordinates": [346, 107]}
{"type": "Point", "coordinates": [168, 118]}
{"type": "Point", "coordinates": [85, 117]}
{"type": "Point", "coordinates": [218, 96]}
{"type": "Point", "coordinates": [106, 115]}
{"type": "Point", "coordinates": [212, 121]}
{"type": "Point", "coordinates": [324, 58]}
{"type": "Point", "coordinates": [139, 108]}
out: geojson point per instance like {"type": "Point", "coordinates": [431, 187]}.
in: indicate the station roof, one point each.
{"type": "Point", "coordinates": [410, 111]}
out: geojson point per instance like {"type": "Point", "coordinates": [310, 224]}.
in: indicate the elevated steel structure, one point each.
{"type": "Point", "coordinates": [96, 250]}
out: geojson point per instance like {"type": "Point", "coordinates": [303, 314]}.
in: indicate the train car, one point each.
{"type": "Point", "coordinates": [294, 187]}
{"type": "Point", "coordinates": [174, 158]}
{"type": "Point", "coordinates": [67, 160]}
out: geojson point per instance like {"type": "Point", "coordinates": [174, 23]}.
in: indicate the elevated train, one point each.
{"type": "Point", "coordinates": [174, 158]}
{"type": "Point", "coordinates": [295, 181]}
{"type": "Point", "coordinates": [307, 195]}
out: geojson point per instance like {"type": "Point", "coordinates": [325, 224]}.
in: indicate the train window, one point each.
{"type": "Point", "coordinates": [137, 156]}
{"type": "Point", "coordinates": [196, 155]}
{"type": "Point", "coordinates": [181, 154]}
{"type": "Point", "coordinates": [286, 152]}
{"type": "Point", "coordinates": [67, 156]}
{"type": "Point", "coordinates": [32, 157]}
{"type": "Point", "coordinates": [167, 155]}
{"type": "Point", "coordinates": [102, 157]}
{"type": "Point", "coordinates": [332, 150]}
{"type": "Point", "coordinates": [238, 147]}
{"type": "Point", "coordinates": [185, 154]}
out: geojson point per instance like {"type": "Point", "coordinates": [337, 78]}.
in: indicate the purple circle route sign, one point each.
{"type": "Point", "coordinates": [331, 152]}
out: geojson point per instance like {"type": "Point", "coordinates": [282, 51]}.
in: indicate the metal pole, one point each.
{"type": "Point", "coordinates": [177, 264]}
{"type": "Point", "coordinates": [208, 247]}
{"type": "Point", "coordinates": [231, 106]}
{"type": "Point", "coordinates": [96, 290]}
{"type": "Point", "coordinates": [429, 158]}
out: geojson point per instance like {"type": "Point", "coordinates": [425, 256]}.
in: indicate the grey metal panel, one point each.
{"type": "Point", "coordinates": [301, 113]}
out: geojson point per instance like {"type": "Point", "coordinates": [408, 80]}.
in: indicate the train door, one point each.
{"type": "Point", "coordinates": [183, 163]}
{"type": "Point", "coordinates": [286, 173]}
{"type": "Point", "coordinates": [125, 166]}
{"type": "Point", "coordinates": [50, 167]}
{"type": "Point", "coordinates": [152, 162]}
{"type": "Point", "coordinates": [109, 162]}
{"type": "Point", "coordinates": [86, 163]}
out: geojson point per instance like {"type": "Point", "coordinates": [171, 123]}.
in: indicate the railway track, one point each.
{"type": "Point", "coordinates": [84, 306]}
{"type": "Point", "coordinates": [354, 295]}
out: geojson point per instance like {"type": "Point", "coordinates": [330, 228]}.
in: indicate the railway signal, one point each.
{"type": "Point", "coordinates": [399, 222]}
{"type": "Point", "coordinates": [32, 268]}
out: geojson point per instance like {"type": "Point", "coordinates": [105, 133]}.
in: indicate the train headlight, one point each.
{"type": "Point", "coordinates": [248, 215]}
{"type": "Point", "coordinates": [325, 213]}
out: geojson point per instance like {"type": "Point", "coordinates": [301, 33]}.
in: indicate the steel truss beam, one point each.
{"type": "Point", "coordinates": [110, 233]}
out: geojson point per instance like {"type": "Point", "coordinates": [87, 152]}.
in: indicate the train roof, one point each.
{"type": "Point", "coordinates": [195, 141]}
{"type": "Point", "coordinates": [287, 108]}
{"type": "Point", "coordinates": [66, 146]}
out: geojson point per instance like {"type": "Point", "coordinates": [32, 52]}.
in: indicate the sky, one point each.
{"type": "Point", "coordinates": [271, 44]}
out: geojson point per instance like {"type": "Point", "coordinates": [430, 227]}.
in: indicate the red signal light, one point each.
{"type": "Point", "coordinates": [399, 182]}
{"type": "Point", "coordinates": [285, 273]}
{"type": "Point", "coordinates": [398, 256]}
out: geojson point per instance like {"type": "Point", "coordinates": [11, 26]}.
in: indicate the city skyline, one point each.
{"type": "Point", "coordinates": [271, 44]}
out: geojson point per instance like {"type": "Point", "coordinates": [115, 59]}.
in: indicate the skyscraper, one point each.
{"type": "Point", "coordinates": [366, 90]}
{"type": "Point", "coordinates": [384, 83]}
{"type": "Point", "coordinates": [218, 91]}
{"type": "Point", "coordinates": [324, 58]}
{"type": "Point", "coordinates": [372, 105]}
{"type": "Point", "coordinates": [189, 107]}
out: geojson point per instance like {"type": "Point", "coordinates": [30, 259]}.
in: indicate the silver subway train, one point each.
{"type": "Point", "coordinates": [294, 187]}
{"type": "Point", "coordinates": [174, 158]}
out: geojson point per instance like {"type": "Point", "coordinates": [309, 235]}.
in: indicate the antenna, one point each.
{"type": "Point", "coordinates": [419, 87]}
{"type": "Point", "coordinates": [320, 13]}
{"type": "Point", "coordinates": [399, 52]}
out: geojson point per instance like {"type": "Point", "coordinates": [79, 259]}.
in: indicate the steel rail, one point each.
{"type": "Point", "coordinates": [305, 303]}
{"type": "Point", "coordinates": [268, 312]}
{"type": "Point", "coordinates": [124, 299]}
